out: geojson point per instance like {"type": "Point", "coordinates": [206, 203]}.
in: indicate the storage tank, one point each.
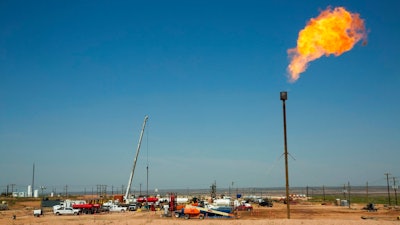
{"type": "Point", "coordinates": [29, 191]}
{"type": "Point", "coordinates": [222, 202]}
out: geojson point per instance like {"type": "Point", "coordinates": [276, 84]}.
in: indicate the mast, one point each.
{"type": "Point", "coordinates": [134, 161]}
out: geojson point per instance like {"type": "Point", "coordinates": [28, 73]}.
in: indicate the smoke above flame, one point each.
{"type": "Point", "coordinates": [332, 32]}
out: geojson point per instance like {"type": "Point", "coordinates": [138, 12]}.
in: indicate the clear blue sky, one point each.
{"type": "Point", "coordinates": [78, 77]}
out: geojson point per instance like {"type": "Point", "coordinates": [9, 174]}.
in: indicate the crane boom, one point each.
{"type": "Point", "coordinates": [134, 161]}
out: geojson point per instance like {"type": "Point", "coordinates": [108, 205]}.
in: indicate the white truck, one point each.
{"type": "Point", "coordinates": [117, 208]}
{"type": "Point", "coordinates": [66, 211]}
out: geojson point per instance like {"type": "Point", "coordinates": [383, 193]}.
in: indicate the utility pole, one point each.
{"type": "Point", "coordinates": [307, 192]}
{"type": "Point", "coordinates": [12, 187]}
{"type": "Point", "coordinates": [349, 192]}
{"type": "Point", "coordinates": [395, 190]}
{"type": "Point", "coordinates": [387, 179]}
{"type": "Point", "coordinates": [147, 182]}
{"type": "Point", "coordinates": [42, 188]}
{"type": "Point", "coordinates": [66, 191]}
{"type": "Point", "coordinates": [367, 193]}
{"type": "Point", "coordinates": [214, 190]}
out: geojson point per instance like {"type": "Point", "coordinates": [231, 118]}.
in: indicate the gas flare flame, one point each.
{"type": "Point", "coordinates": [332, 32]}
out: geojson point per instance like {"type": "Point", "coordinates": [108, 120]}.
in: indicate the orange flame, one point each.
{"type": "Point", "coordinates": [332, 32]}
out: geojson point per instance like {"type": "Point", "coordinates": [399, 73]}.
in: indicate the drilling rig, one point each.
{"type": "Point", "coordinates": [126, 197]}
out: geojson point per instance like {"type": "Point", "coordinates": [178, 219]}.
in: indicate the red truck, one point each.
{"type": "Point", "coordinates": [244, 207]}
{"type": "Point", "coordinates": [87, 208]}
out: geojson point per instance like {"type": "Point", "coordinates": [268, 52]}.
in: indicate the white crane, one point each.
{"type": "Point", "coordinates": [134, 161]}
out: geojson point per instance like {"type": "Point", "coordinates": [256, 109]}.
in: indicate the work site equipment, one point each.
{"type": "Point", "coordinates": [134, 161]}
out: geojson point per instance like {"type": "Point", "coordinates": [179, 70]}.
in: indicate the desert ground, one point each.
{"type": "Point", "coordinates": [306, 213]}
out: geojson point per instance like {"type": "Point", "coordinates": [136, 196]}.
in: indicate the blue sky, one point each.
{"type": "Point", "coordinates": [78, 77]}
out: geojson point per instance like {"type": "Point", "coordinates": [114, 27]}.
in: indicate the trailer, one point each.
{"type": "Point", "coordinates": [212, 213]}
{"type": "Point", "coordinates": [37, 212]}
{"type": "Point", "coordinates": [201, 213]}
{"type": "Point", "coordinates": [87, 208]}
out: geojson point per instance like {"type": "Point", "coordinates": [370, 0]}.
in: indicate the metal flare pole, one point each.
{"type": "Point", "coordinates": [284, 98]}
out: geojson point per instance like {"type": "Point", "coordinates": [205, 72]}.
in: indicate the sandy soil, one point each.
{"type": "Point", "coordinates": [300, 214]}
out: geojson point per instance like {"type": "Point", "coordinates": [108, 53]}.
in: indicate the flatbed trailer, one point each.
{"type": "Point", "coordinates": [87, 208]}
{"type": "Point", "coordinates": [211, 213]}
{"type": "Point", "coordinates": [201, 213]}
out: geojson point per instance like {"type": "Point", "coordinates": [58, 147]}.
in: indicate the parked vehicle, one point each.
{"type": "Point", "coordinates": [104, 208]}
{"type": "Point", "coordinates": [370, 207]}
{"type": "Point", "coordinates": [244, 207]}
{"type": "Point", "coordinates": [132, 207]}
{"type": "Point", "coordinates": [3, 205]}
{"type": "Point", "coordinates": [266, 202]}
{"type": "Point", "coordinates": [66, 211]}
{"type": "Point", "coordinates": [189, 212]}
{"type": "Point", "coordinates": [201, 213]}
{"type": "Point", "coordinates": [87, 208]}
{"type": "Point", "coordinates": [117, 208]}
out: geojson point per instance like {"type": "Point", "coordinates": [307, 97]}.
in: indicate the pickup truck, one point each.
{"type": "Point", "coordinates": [266, 202]}
{"type": "Point", "coordinates": [117, 208]}
{"type": "Point", "coordinates": [66, 211]}
{"type": "Point", "coordinates": [244, 207]}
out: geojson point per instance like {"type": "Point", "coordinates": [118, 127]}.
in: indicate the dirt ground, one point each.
{"type": "Point", "coordinates": [306, 213]}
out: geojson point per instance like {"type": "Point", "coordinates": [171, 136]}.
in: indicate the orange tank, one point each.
{"type": "Point", "coordinates": [191, 211]}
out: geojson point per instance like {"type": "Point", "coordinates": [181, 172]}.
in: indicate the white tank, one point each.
{"type": "Point", "coordinates": [29, 191]}
{"type": "Point", "coordinates": [222, 202]}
